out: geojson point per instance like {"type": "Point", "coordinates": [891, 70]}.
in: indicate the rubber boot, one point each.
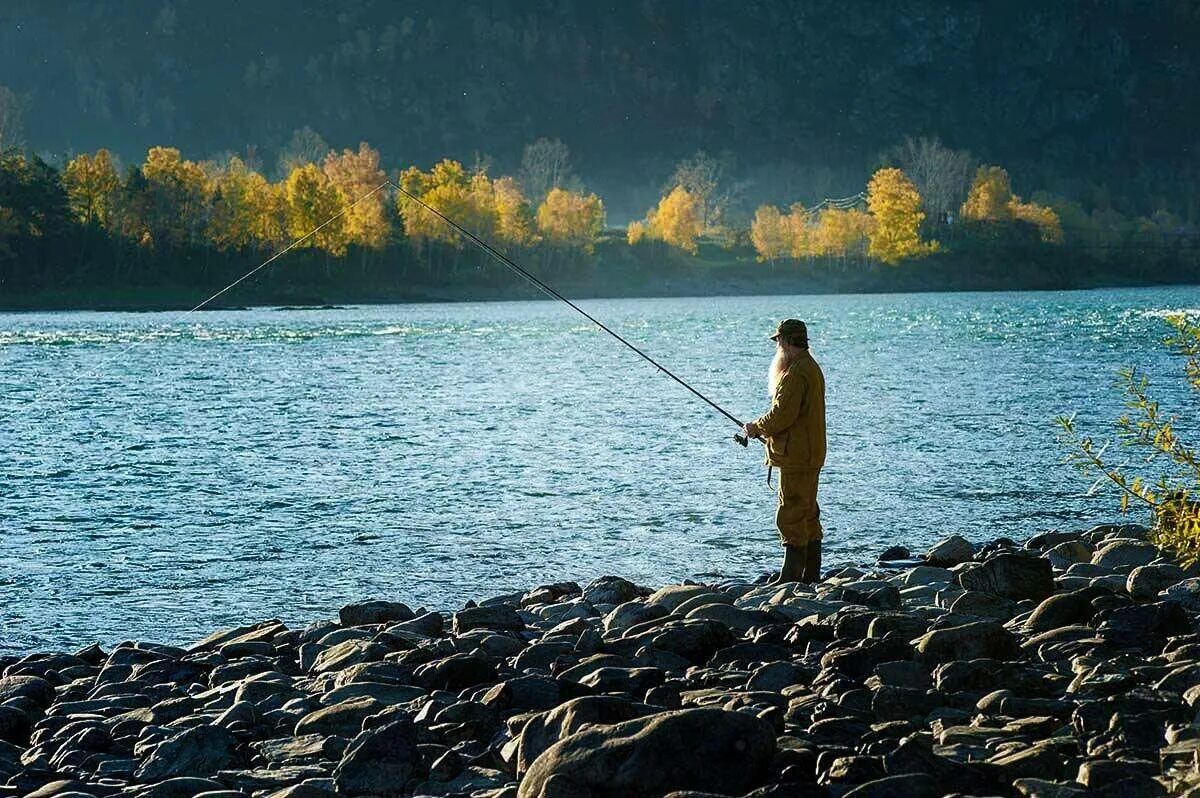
{"type": "Point", "coordinates": [812, 563]}
{"type": "Point", "coordinates": [794, 561]}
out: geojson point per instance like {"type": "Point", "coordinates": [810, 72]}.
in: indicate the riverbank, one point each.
{"type": "Point", "coordinates": [616, 270]}
{"type": "Point", "coordinates": [1066, 665]}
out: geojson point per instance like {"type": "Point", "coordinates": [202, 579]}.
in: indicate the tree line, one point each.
{"type": "Point", "coordinates": [171, 220]}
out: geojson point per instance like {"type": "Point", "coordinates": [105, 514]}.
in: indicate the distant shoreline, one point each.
{"type": "Point", "coordinates": [942, 275]}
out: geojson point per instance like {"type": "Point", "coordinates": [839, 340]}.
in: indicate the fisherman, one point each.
{"type": "Point", "coordinates": [794, 431]}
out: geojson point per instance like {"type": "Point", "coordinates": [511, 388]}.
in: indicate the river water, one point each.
{"type": "Point", "coordinates": [160, 478]}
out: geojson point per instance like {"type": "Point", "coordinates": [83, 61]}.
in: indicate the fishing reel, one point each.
{"type": "Point", "coordinates": [742, 440]}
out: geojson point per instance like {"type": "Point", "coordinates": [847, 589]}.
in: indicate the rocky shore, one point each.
{"type": "Point", "coordinates": [1066, 665]}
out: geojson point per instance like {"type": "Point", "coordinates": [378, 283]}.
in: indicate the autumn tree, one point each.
{"type": "Point", "coordinates": [800, 232]}
{"type": "Point", "coordinates": [636, 232]}
{"type": "Point", "coordinates": [769, 234]}
{"type": "Point", "coordinates": [676, 221]}
{"type": "Point", "coordinates": [312, 205]}
{"type": "Point", "coordinates": [92, 185]}
{"type": "Point", "coordinates": [895, 206]}
{"type": "Point", "coordinates": [942, 175]}
{"type": "Point", "coordinates": [571, 219]}
{"type": "Point", "coordinates": [174, 209]}
{"type": "Point", "coordinates": [991, 200]}
{"type": "Point", "coordinates": [358, 176]}
{"type": "Point", "coordinates": [841, 233]}
{"type": "Point", "coordinates": [705, 179]}
{"type": "Point", "coordinates": [514, 215]}
{"type": "Point", "coordinates": [247, 210]}
{"type": "Point", "coordinates": [989, 197]}
{"type": "Point", "coordinates": [467, 199]}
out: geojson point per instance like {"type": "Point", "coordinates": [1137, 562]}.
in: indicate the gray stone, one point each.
{"type": "Point", "coordinates": [1147, 581]}
{"type": "Point", "coordinates": [631, 613]}
{"type": "Point", "coordinates": [710, 749]}
{"type": "Point", "coordinates": [1125, 554]}
{"type": "Point", "coordinates": [378, 761]}
{"type": "Point", "coordinates": [984, 605]}
{"type": "Point", "coordinates": [200, 751]}
{"type": "Point", "coordinates": [612, 590]}
{"type": "Point", "coordinates": [905, 785]}
{"type": "Point", "coordinates": [1064, 609]}
{"type": "Point", "coordinates": [1187, 593]}
{"type": "Point", "coordinates": [979, 640]}
{"type": "Point", "coordinates": [672, 596]}
{"type": "Point", "coordinates": [365, 613]}
{"type": "Point", "coordinates": [547, 728]}
{"type": "Point", "coordinates": [951, 551]}
{"type": "Point", "coordinates": [498, 617]}
{"type": "Point", "coordinates": [1013, 576]}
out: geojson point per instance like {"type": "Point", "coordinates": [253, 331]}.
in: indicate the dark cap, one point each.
{"type": "Point", "coordinates": [791, 329]}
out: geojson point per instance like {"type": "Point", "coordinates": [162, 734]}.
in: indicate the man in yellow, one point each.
{"type": "Point", "coordinates": [794, 431]}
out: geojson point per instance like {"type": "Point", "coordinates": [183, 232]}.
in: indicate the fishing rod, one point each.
{"type": "Point", "coordinates": [508, 262]}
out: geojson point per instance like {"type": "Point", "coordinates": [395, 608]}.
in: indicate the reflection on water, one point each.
{"type": "Point", "coordinates": [247, 464]}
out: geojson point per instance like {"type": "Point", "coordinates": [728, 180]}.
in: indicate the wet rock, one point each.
{"type": "Point", "coordinates": [456, 672]}
{"type": "Point", "coordinates": [35, 688]}
{"type": "Point", "coordinates": [1128, 554]}
{"type": "Point", "coordinates": [496, 618]}
{"type": "Point", "coordinates": [1146, 581]}
{"type": "Point", "coordinates": [907, 785]}
{"type": "Point", "coordinates": [979, 640]}
{"type": "Point", "coordinates": [1013, 576]}
{"type": "Point", "coordinates": [893, 553]}
{"type": "Point", "coordinates": [378, 761]}
{"type": "Point", "coordinates": [546, 728]}
{"type": "Point", "coordinates": [200, 751]}
{"type": "Point", "coordinates": [950, 551]}
{"type": "Point", "coordinates": [364, 613]}
{"type": "Point", "coordinates": [344, 719]}
{"type": "Point", "coordinates": [1186, 593]}
{"type": "Point", "coordinates": [1143, 625]}
{"type": "Point", "coordinates": [612, 590]}
{"type": "Point", "coordinates": [1062, 610]}
{"type": "Point", "coordinates": [672, 596]}
{"type": "Point", "coordinates": [984, 605]}
{"type": "Point", "coordinates": [708, 749]}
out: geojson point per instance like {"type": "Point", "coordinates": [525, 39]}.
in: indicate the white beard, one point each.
{"type": "Point", "coordinates": [779, 367]}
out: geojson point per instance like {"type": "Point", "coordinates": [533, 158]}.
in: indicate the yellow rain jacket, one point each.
{"type": "Point", "coordinates": [794, 427]}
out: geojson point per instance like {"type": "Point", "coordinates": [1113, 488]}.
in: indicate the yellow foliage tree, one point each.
{"type": "Point", "coordinates": [571, 219]}
{"type": "Point", "coordinates": [841, 233]}
{"type": "Point", "coordinates": [895, 206]}
{"type": "Point", "coordinates": [635, 233]}
{"type": "Point", "coordinates": [991, 200]}
{"type": "Point", "coordinates": [769, 234]}
{"type": "Point", "coordinates": [357, 174]}
{"type": "Point", "coordinates": [1043, 218]}
{"type": "Point", "coordinates": [312, 201]}
{"type": "Point", "coordinates": [247, 211]}
{"type": "Point", "coordinates": [990, 196]}
{"type": "Point", "coordinates": [514, 216]}
{"type": "Point", "coordinates": [800, 233]}
{"type": "Point", "coordinates": [469, 200]}
{"type": "Point", "coordinates": [677, 220]}
{"type": "Point", "coordinates": [92, 183]}
{"type": "Point", "coordinates": [177, 193]}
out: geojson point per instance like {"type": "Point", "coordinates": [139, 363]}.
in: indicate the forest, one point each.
{"type": "Point", "coordinates": [151, 150]}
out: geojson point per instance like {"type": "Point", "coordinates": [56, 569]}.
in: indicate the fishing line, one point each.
{"type": "Point", "coordinates": [507, 261]}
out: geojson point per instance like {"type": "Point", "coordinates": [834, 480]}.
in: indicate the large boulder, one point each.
{"type": "Point", "coordinates": [950, 551]}
{"type": "Point", "coordinates": [1147, 581]}
{"type": "Point", "coordinates": [378, 761]}
{"type": "Point", "coordinates": [1064, 609]}
{"type": "Point", "coordinates": [1126, 554]}
{"type": "Point", "coordinates": [612, 590]}
{"type": "Point", "coordinates": [690, 749]}
{"type": "Point", "coordinates": [546, 728]}
{"type": "Point", "coordinates": [497, 618]}
{"type": "Point", "coordinates": [199, 751]}
{"type": "Point", "coordinates": [979, 640]}
{"type": "Point", "coordinates": [1013, 576]}
{"type": "Point", "coordinates": [371, 612]}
